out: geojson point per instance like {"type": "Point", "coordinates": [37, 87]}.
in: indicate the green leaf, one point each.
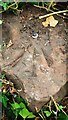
{"type": "Point", "coordinates": [22, 105]}
{"type": "Point", "coordinates": [14, 12]}
{"type": "Point", "coordinates": [16, 112]}
{"type": "Point", "coordinates": [15, 105]}
{"type": "Point", "coordinates": [1, 98]}
{"type": "Point", "coordinates": [0, 84]}
{"type": "Point", "coordinates": [61, 107]}
{"type": "Point", "coordinates": [31, 115]}
{"type": "Point", "coordinates": [5, 6]}
{"type": "Point", "coordinates": [48, 113]}
{"type": "Point", "coordinates": [24, 113]}
{"type": "Point", "coordinates": [3, 76]}
{"type": "Point", "coordinates": [62, 116]}
{"type": "Point", "coordinates": [1, 3]}
{"type": "Point", "coordinates": [19, 99]}
{"type": "Point", "coordinates": [4, 100]}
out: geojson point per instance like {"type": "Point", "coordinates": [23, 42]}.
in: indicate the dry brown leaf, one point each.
{"type": "Point", "coordinates": [12, 90]}
{"type": "Point", "coordinates": [50, 21]}
{"type": "Point", "coordinates": [4, 90]}
{"type": "Point", "coordinates": [10, 44]}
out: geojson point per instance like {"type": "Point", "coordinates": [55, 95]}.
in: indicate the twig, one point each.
{"type": "Point", "coordinates": [50, 105]}
{"type": "Point", "coordinates": [41, 116]}
{"type": "Point", "coordinates": [51, 2]}
{"type": "Point", "coordinates": [64, 112]}
{"type": "Point", "coordinates": [63, 11]}
{"type": "Point", "coordinates": [15, 9]}
{"type": "Point", "coordinates": [40, 7]}
{"type": "Point", "coordinates": [10, 6]}
{"type": "Point", "coordinates": [55, 103]}
{"type": "Point", "coordinates": [49, 10]}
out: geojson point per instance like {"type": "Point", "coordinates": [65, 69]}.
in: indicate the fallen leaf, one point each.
{"type": "Point", "coordinates": [4, 90]}
{"type": "Point", "coordinates": [12, 90]}
{"type": "Point", "coordinates": [45, 23]}
{"type": "Point", "coordinates": [10, 44]}
{"type": "Point", "coordinates": [50, 21]}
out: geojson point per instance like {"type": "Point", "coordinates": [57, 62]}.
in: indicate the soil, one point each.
{"type": "Point", "coordinates": [27, 22]}
{"type": "Point", "coordinates": [19, 30]}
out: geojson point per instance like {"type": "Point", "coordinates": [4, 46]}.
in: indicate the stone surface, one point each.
{"type": "Point", "coordinates": [37, 67]}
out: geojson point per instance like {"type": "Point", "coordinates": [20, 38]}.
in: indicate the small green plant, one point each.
{"type": "Point", "coordinates": [4, 5]}
{"type": "Point", "coordinates": [16, 5]}
{"type": "Point", "coordinates": [53, 110]}
{"type": "Point", "coordinates": [11, 6]}
{"type": "Point", "coordinates": [14, 107]}
{"type": "Point", "coordinates": [13, 103]}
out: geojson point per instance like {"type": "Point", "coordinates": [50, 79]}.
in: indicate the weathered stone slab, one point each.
{"type": "Point", "coordinates": [37, 66]}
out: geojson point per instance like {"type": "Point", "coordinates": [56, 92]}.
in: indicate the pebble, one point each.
{"type": "Point", "coordinates": [34, 34]}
